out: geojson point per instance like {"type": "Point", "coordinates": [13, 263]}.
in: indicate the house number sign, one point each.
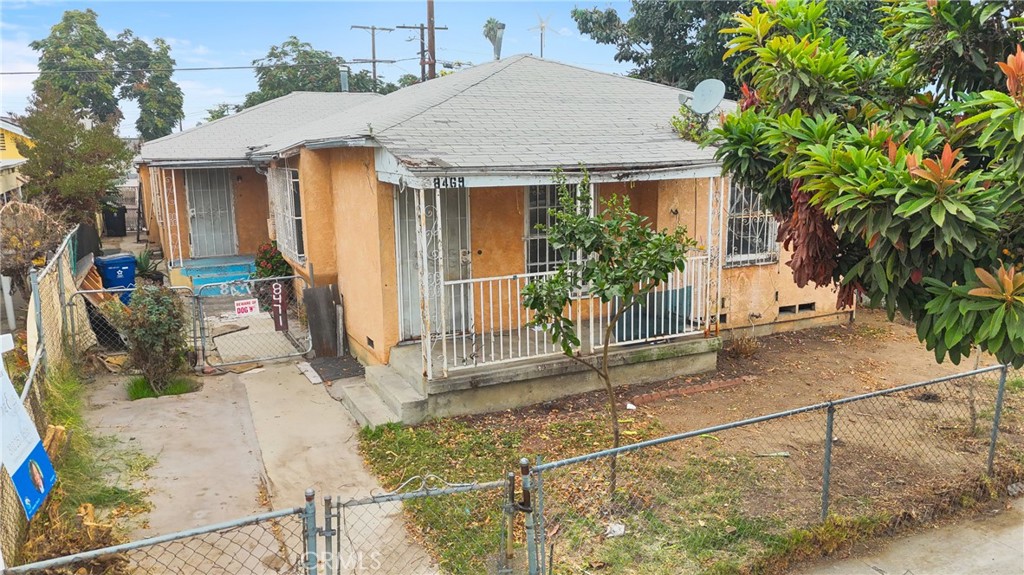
{"type": "Point", "coordinates": [279, 306]}
{"type": "Point", "coordinates": [450, 182]}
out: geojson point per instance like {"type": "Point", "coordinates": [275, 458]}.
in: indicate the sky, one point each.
{"type": "Point", "coordinates": [235, 33]}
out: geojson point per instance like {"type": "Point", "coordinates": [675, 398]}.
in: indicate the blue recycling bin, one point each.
{"type": "Point", "coordinates": [117, 271]}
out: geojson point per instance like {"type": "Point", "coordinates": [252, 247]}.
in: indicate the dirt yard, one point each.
{"type": "Point", "coordinates": [723, 501]}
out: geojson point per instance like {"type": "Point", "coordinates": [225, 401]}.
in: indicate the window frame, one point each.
{"type": "Point", "coordinates": [760, 229]}
{"type": "Point", "coordinates": [284, 189]}
{"type": "Point", "coordinates": [532, 234]}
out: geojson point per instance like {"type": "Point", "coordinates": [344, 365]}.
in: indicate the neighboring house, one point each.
{"type": "Point", "coordinates": [207, 202]}
{"type": "Point", "coordinates": [426, 202]}
{"type": "Point", "coordinates": [11, 159]}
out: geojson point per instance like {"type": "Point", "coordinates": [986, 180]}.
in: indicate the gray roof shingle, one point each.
{"type": "Point", "coordinates": [234, 137]}
{"type": "Point", "coordinates": [519, 113]}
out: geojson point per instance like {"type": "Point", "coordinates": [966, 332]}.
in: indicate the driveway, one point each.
{"type": "Point", "coordinates": [248, 443]}
{"type": "Point", "coordinates": [207, 466]}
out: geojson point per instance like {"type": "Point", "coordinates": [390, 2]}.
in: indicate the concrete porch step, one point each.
{"type": "Point", "coordinates": [363, 403]}
{"type": "Point", "coordinates": [398, 393]}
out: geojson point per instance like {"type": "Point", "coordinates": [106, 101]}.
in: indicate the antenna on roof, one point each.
{"type": "Point", "coordinates": [542, 24]}
{"type": "Point", "coordinates": [705, 97]}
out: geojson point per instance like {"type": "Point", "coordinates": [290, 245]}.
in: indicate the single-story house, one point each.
{"type": "Point", "coordinates": [206, 201]}
{"type": "Point", "coordinates": [422, 206]}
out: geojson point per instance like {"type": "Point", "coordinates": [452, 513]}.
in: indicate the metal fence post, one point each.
{"type": "Point", "coordinates": [531, 541]}
{"type": "Point", "coordinates": [996, 417]}
{"type": "Point", "coordinates": [826, 476]}
{"type": "Point", "coordinates": [538, 525]}
{"type": "Point", "coordinates": [34, 280]}
{"type": "Point", "coordinates": [62, 298]}
{"type": "Point", "coordinates": [328, 535]}
{"type": "Point", "coordinates": [506, 530]}
{"type": "Point", "coordinates": [309, 521]}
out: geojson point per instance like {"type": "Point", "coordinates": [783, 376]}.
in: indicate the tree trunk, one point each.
{"type": "Point", "coordinates": [613, 409]}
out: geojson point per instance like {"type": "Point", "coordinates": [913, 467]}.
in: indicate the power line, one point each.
{"type": "Point", "coordinates": [195, 69]}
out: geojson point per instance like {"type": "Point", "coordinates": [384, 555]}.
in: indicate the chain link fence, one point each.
{"type": "Point", "coordinates": [270, 543]}
{"type": "Point", "coordinates": [253, 320]}
{"type": "Point", "coordinates": [42, 350]}
{"type": "Point", "coordinates": [92, 329]}
{"type": "Point", "coordinates": [728, 496]}
{"type": "Point", "coordinates": [396, 533]}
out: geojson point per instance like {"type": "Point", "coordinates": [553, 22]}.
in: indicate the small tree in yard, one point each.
{"type": "Point", "coordinates": [70, 167]}
{"type": "Point", "coordinates": [153, 325]}
{"type": "Point", "coordinates": [614, 256]}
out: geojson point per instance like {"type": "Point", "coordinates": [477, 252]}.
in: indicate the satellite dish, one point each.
{"type": "Point", "coordinates": [705, 98]}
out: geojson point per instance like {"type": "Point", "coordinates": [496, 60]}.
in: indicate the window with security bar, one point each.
{"type": "Point", "coordinates": [540, 256]}
{"type": "Point", "coordinates": [286, 203]}
{"type": "Point", "coordinates": [752, 230]}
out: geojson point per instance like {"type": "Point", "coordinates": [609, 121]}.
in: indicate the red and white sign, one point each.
{"type": "Point", "coordinates": [247, 306]}
{"type": "Point", "coordinates": [279, 306]}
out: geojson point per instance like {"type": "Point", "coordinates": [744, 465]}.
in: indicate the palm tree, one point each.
{"type": "Point", "coordinates": [493, 31]}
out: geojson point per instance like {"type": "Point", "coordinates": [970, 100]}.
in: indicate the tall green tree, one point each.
{"type": "Point", "coordinates": [883, 188]}
{"type": "Point", "coordinates": [78, 60]}
{"type": "Point", "coordinates": [295, 66]}
{"type": "Point", "coordinates": [145, 76]}
{"type": "Point", "coordinates": [81, 62]}
{"type": "Point", "coordinates": [72, 162]}
{"type": "Point", "coordinates": [615, 256]}
{"type": "Point", "coordinates": [677, 42]}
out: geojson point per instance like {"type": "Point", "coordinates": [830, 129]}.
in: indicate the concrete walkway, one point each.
{"type": "Point", "coordinates": [207, 461]}
{"type": "Point", "coordinates": [984, 546]}
{"type": "Point", "coordinates": [309, 440]}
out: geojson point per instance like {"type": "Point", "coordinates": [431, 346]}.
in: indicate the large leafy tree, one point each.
{"type": "Point", "coordinates": [883, 187]}
{"type": "Point", "coordinates": [145, 76]}
{"type": "Point", "coordinates": [78, 60]}
{"type": "Point", "coordinates": [72, 162]}
{"type": "Point", "coordinates": [298, 66]}
{"type": "Point", "coordinates": [677, 42]}
{"type": "Point", "coordinates": [615, 256]}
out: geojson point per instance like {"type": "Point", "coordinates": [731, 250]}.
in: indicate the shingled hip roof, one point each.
{"type": "Point", "coordinates": [516, 114]}
{"type": "Point", "coordinates": [233, 138]}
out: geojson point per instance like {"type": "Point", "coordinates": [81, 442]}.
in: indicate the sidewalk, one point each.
{"type": "Point", "coordinates": [985, 546]}
{"type": "Point", "coordinates": [309, 440]}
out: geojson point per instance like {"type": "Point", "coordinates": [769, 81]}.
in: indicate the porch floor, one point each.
{"type": "Point", "coordinates": [478, 353]}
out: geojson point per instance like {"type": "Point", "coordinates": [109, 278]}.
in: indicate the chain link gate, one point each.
{"type": "Point", "coordinates": [258, 319]}
{"type": "Point", "coordinates": [89, 325]}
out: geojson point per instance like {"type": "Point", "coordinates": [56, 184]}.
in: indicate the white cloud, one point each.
{"type": "Point", "coordinates": [16, 56]}
{"type": "Point", "coordinates": [563, 31]}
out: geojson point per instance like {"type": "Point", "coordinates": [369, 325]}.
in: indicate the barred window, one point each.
{"type": "Point", "coordinates": [286, 203]}
{"type": "Point", "coordinates": [540, 256]}
{"type": "Point", "coordinates": [752, 230]}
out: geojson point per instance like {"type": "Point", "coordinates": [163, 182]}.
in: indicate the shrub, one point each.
{"type": "Point", "coordinates": [270, 263]}
{"type": "Point", "coordinates": [153, 326]}
{"type": "Point", "coordinates": [147, 267]}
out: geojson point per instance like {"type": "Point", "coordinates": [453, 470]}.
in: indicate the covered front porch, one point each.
{"type": "Point", "coordinates": [464, 255]}
{"type": "Point", "coordinates": [209, 220]}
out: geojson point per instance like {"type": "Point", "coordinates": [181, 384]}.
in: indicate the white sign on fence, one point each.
{"type": "Point", "coordinates": [23, 455]}
{"type": "Point", "coordinates": [247, 306]}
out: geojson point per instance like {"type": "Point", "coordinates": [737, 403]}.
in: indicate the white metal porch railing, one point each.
{"type": "Point", "coordinates": [490, 323]}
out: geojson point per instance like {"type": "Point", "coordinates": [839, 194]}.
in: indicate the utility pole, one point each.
{"type": "Point", "coordinates": [373, 49]}
{"type": "Point", "coordinates": [423, 46]}
{"type": "Point", "coordinates": [432, 63]}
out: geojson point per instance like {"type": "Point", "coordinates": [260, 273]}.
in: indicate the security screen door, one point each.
{"type": "Point", "coordinates": [211, 213]}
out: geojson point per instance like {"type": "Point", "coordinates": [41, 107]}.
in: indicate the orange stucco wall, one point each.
{"type": "Point", "coordinates": [315, 187]}
{"type": "Point", "coordinates": [251, 208]}
{"type": "Point", "coordinates": [364, 231]}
